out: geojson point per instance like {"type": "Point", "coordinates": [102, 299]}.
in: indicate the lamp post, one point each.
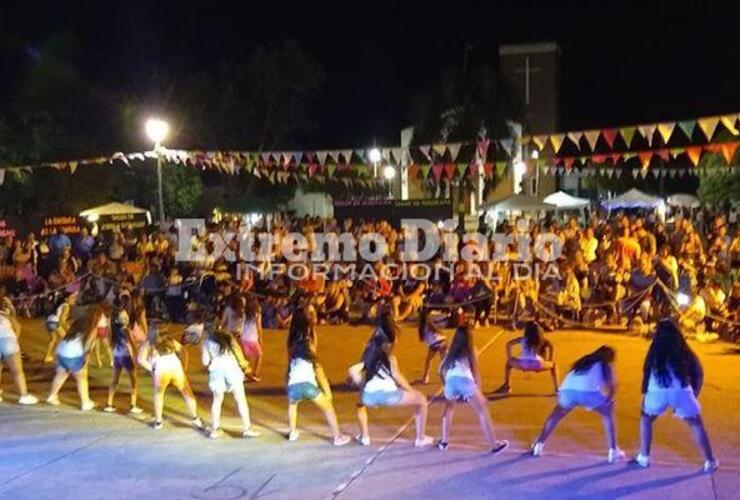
{"type": "Point", "coordinates": [374, 156]}
{"type": "Point", "coordinates": [157, 131]}
{"type": "Point", "coordinates": [389, 172]}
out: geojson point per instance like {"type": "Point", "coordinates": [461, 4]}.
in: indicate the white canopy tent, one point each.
{"type": "Point", "coordinates": [683, 200]}
{"type": "Point", "coordinates": [114, 208]}
{"type": "Point", "coordinates": [634, 198]}
{"type": "Point", "coordinates": [563, 200]}
{"type": "Point", "coordinates": [516, 203]}
{"type": "Point", "coordinates": [117, 215]}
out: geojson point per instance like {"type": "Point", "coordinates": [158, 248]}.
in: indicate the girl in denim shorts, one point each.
{"type": "Point", "coordinates": [462, 383]}
{"type": "Point", "coordinates": [589, 384]}
{"type": "Point", "coordinates": [72, 360]}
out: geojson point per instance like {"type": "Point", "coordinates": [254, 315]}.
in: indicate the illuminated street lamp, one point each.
{"type": "Point", "coordinates": [156, 131]}
{"type": "Point", "coordinates": [374, 156]}
{"type": "Point", "coordinates": [389, 172]}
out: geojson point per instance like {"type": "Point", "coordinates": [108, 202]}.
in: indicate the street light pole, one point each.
{"type": "Point", "coordinates": [160, 196]}
{"type": "Point", "coordinates": [157, 131]}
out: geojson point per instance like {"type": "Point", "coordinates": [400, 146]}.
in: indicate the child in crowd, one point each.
{"type": "Point", "coordinates": [462, 382]}
{"type": "Point", "coordinates": [590, 384]}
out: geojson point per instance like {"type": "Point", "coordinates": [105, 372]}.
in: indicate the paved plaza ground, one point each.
{"type": "Point", "coordinates": [48, 452]}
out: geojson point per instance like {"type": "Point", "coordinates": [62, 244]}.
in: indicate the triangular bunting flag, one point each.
{"type": "Point", "coordinates": [609, 172]}
{"type": "Point", "coordinates": [437, 171]}
{"type": "Point", "coordinates": [687, 127]}
{"type": "Point", "coordinates": [386, 154]}
{"type": "Point", "coordinates": [615, 157]}
{"type": "Point", "coordinates": [398, 155]}
{"type": "Point", "coordinates": [664, 154]}
{"type": "Point", "coordinates": [644, 172]}
{"type": "Point", "coordinates": [488, 168]}
{"type": "Point", "coordinates": [666, 130]}
{"type": "Point", "coordinates": [266, 157]}
{"type": "Point", "coordinates": [425, 170]}
{"type": "Point", "coordinates": [461, 168]}
{"type": "Point", "coordinates": [334, 155]}
{"type": "Point", "coordinates": [454, 150]}
{"type": "Point", "coordinates": [645, 157]}
{"type": "Point", "coordinates": [72, 167]}
{"type": "Point", "coordinates": [575, 138]}
{"type": "Point", "coordinates": [677, 151]}
{"type": "Point", "coordinates": [591, 137]}
{"type": "Point", "coordinates": [440, 149]}
{"type": "Point", "coordinates": [728, 151]}
{"type": "Point", "coordinates": [729, 122]}
{"type": "Point", "coordinates": [568, 163]}
{"type": "Point", "coordinates": [618, 172]}
{"type": "Point", "coordinates": [426, 151]}
{"type": "Point", "coordinates": [539, 141]}
{"type": "Point", "coordinates": [286, 157]}
{"type": "Point", "coordinates": [450, 169]}
{"type": "Point", "coordinates": [500, 169]}
{"type": "Point", "coordinates": [330, 170]}
{"type": "Point", "coordinates": [507, 145]}
{"type": "Point", "coordinates": [647, 132]}
{"type": "Point", "coordinates": [708, 126]}
{"type": "Point", "coordinates": [635, 173]}
{"type": "Point", "coordinates": [628, 133]}
{"type": "Point", "coordinates": [672, 173]}
{"type": "Point", "coordinates": [321, 156]}
{"type": "Point", "coordinates": [598, 158]}
{"type": "Point", "coordinates": [694, 154]}
{"type": "Point", "coordinates": [413, 171]}
{"type": "Point", "coordinates": [557, 142]}
{"type": "Point", "coordinates": [297, 156]}
{"type": "Point", "coordinates": [347, 155]}
{"type": "Point", "coordinates": [609, 135]}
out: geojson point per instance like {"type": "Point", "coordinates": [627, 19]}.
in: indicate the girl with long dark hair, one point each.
{"type": "Point", "coordinates": [462, 383]}
{"type": "Point", "coordinates": [590, 384]}
{"type": "Point", "coordinates": [535, 356]}
{"type": "Point", "coordinates": [434, 339]}
{"type": "Point", "coordinates": [672, 378]}
{"type": "Point", "coordinates": [124, 354]}
{"type": "Point", "coordinates": [72, 353]}
{"type": "Point", "coordinates": [383, 384]}
{"type": "Point", "coordinates": [222, 356]}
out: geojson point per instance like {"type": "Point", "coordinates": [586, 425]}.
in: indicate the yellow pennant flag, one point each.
{"type": "Point", "coordinates": [557, 141]}
{"type": "Point", "coordinates": [729, 122]}
{"type": "Point", "coordinates": [576, 138]}
{"type": "Point", "coordinates": [628, 133]}
{"type": "Point", "coordinates": [666, 130]}
{"type": "Point", "coordinates": [592, 136]}
{"type": "Point", "coordinates": [72, 167]}
{"type": "Point", "coordinates": [708, 126]}
{"type": "Point", "coordinates": [539, 140]}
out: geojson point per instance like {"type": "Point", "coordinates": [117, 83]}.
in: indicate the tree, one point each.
{"type": "Point", "coordinates": [718, 183]}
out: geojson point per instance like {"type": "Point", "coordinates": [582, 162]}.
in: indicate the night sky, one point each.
{"type": "Point", "coordinates": [623, 62]}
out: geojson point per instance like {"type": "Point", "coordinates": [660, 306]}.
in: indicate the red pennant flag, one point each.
{"type": "Point", "coordinates": [568, 162]}
{"type": "Point", "coordinates": [663, 153]}
{"type": "Point", "coordinates": [728, 150]}
{"type": "Point", "coordinates": [488, 168]}
{"type": "Point", "coordinates": [645, 158]}
{"type": "Point", "coordinates": [598, 158]}
{"type": "Point", "coordinates": [450, 170]}
{"type": "Point", "coordinates": [609, 135]}
{"type": "Point", "coordinates": [437, 171]}
{"type": "Point", "coordinates": [473, 169]}
{"type": "Point", "coordinates": [615, 157]}
{"type": "Point", "coordinates": [694, 154]}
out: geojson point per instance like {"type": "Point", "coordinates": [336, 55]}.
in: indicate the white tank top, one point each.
{"type": "Point", "coordinates": [6, 328]}
{"type": "Point", "coordinates": [381, 382]}
{"type": "Point", "coordinates": [460, 368]}
{"type": "Point", "coordinates": [588, 381]}
{"type": "Point", "coordinates": [166, 363]}
{"type": "Point", "coordinates": [249, 332]}
{"type": "Point", "coordinates": [72, 348]}
{"type": "Point", "coordinates": [301, 371]}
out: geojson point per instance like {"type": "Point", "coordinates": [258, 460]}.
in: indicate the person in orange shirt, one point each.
{"type": "Point", "coordinates": [628, 249]}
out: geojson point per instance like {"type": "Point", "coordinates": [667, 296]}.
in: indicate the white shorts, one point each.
{"type": "Point", "coordinates": [221, 381]}
{"type": "Point", "coordinates": [681, 401]}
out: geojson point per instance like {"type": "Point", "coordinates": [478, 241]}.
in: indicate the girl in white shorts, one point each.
{"type": "Point", "coordinates": [160, 358]}
{"type": "Point", "coordinates": [535, 356]}
{"type": "Point", "coordinates": [434, 339]}
{"type": "Point", "coordinates": [591, 385]}
{"type": "Point", "coordinates": [462, 383]}
{"type": "Point", "coordinates": [10, 352]}
{"type": "Point", "coordinates": [222, 356]}
{"type": "Point", "coordinates": [672, 378]}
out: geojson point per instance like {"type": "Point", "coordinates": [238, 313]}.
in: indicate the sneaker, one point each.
{"type": "Point", "coordinates": [641, 461]}
{"type": "Point", "coordinates": [425, 441]}
{"type": "Point", "coordinates": [364, 441]}
{"type": "Point", "coordinates": [109, 409]}
{"type": "Point", "coordinates": [499, 447]}
{"type": "Point", "coordinates": [615, 455]}
{"type": "Point", "coordinates": [27, 399]}
{"type": "Point", "coordinates": [197, 423]}
{"type": "Point", "coordinates": [53, 401]}
{"type": "Point", "coordinates": [157, 425]}
{"type": "Point", "coordinates": [537, 449]}
{"type": "Point", "coordinates": [215, 433]}
{"type": "Point", "coordinates": [135, 410]}
{"type": "Point", "coordinates": [251, 432]}
{"type": "Point", "coordinates": [341, 440]}
{"type": "Point", "coordinates": [87, 406]}
{"type": "Point", "coordinates": [711, 465]}
{"type": "Point", "coordinates": [442, 445]}
{"type": "Point", "coordinates": [293, 435]}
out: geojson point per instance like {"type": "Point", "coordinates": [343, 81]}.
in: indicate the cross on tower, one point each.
{"type": "Point", "coordinates": [527, 69]}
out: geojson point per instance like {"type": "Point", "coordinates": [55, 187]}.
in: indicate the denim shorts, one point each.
{"type": "Point", "coordinates": [303, 391]}
{"type": "Point", "coordinates": [8, 347]}
{"type": "Point", "coordinates": [683, 402]}
{"type": "Point", "coordinates": [382, 398]}
{"type": "Point", "coordinates": [72, 365]}
{"type": "Point", "coordinates": [459, 388]}
{"type": "Point", "coordinates": [590, 400]}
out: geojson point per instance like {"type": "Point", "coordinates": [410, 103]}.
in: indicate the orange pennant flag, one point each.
{"type": "Point", "coordinates": [728, 151]}
{"type": "Point", "coordinates": [592, 136]}
{"type": "Point", "coordinates": [708, 126]}
{"type": "Point", "coordinates": [666, 130]}
{"type": "Point", "coordinates": [729, 122]}
{"type": "Point", "coordinates": [694, 154]}
{"type": "Point", "coordinates": [645, 158]}
{"type": "Point", "coordinates": [557, 141]}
